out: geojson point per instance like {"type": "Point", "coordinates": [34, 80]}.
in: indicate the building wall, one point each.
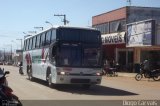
{"type": "Point", "coordinates": [157, 33]}
{"type": "Point", "coordinates": [142, 13]}
{"type": "Point", "coordinates": [135, 14]}
{"type": "Point", "coordinates": [109, 16]}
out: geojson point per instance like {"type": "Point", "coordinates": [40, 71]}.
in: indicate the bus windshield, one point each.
{"type": "Point", "coordinates": [79, 48]}
{"type": "Point", "coordinates": [69, 55]}
{"type": "Point", "coordinates": [74, 55]}
{"type": "Point", "coordinates": [91, 57]}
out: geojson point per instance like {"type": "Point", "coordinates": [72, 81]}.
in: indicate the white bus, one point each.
{"type": "Point", "coordinates": [64, 55]}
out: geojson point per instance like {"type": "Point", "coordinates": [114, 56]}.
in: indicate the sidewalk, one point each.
{"type": "Point", "coordinates": [125, 74]}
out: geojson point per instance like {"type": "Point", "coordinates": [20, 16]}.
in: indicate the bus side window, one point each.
{"type": "Point", "coordinates": [43, 37]}
{"type": "Point", "coordinates": [24, 48]}
{"type": "Point", "coordinates": [48, 37]}
{"type": "Point", "coordinates": [53, 54]}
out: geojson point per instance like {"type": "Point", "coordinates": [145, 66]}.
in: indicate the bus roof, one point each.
{"type": "Point", "coordinates": [57, 27]}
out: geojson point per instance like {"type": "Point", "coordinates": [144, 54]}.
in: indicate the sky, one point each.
{"type": "Point", "coordinates": [18, 16]}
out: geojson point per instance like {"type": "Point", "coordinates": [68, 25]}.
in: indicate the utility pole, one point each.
{"type": "Point", "coordinates": [11, 52]}
{"type": "Point", "coordinates": [4, 55]}
{"type": "Point", "coordinates": [129, 2]}
{"type": "Point", "coordinates": [64, 18]}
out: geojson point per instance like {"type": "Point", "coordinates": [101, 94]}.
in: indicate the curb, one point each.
{"type": "Point", "coordinates": [121, 74]}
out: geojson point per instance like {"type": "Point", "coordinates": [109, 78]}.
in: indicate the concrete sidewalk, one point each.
{"type": "Point", "coordinates": [125, 74]}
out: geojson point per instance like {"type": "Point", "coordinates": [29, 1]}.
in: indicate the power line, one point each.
{"type": "Point", "coordinates": [4, 36]}
{"type": "Point", "coordinates": [9, 36]}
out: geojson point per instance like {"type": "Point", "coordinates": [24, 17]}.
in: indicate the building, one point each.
{"type": "Point", "coordinates": [17, 57]}
{"type": "Point", "coordinates": [115, 26]}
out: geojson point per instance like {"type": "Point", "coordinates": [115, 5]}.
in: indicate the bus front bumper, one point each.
{"type": "Point", "coordinates": [62, 79]}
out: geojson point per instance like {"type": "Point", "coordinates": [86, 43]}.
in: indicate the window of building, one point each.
{"type": "Point", "coordinates": [113, 26]}
{"type": "Point", "coordinates": [117, 26]}
{"type": "Point", "coordinates": [123, 25]}
{"type": "Point", "coordinates": [106, 27]}
{"type": "Point", "coordinates": [103, 28]}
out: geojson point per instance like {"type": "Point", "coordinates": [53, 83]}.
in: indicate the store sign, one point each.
{"type": "Point", "coordinates": [114, 38]}
{"type": "Point", "coordinates": [140, 34]}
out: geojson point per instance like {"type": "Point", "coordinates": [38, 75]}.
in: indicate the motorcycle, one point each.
{"type": "Point", "coordinates": [154, 74]}
{"type": "Point", "coordinates": [110, 71]}
{"type": "Point", "coordinates": [3, 77]}
{"type": "Point", "coordinates": [7, 98]}
{"type": "Point", "coordinates": [21, 70]}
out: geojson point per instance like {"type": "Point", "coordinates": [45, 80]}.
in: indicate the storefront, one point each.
{"type": "Point", "coordinates": [129, 37]}
{"type": "Point", "coordinates": [143, 39]}
{"type": "Point", "coordinates": [114, 48]}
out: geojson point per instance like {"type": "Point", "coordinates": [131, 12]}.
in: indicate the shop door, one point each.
{"type": "Point", "coordinates": [129, 62]}
{"type": "Point", "coordinates": [122, 59]}
{"type": "Point", "coordinates": [125, 60]}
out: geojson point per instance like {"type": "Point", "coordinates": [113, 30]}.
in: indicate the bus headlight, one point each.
{"type": "Point", "coordinates": [62, 73]}
{"type": "Point", "coordinates": [98, 74]}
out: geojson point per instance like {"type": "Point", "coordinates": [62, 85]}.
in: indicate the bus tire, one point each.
{"type": "Point", "coordinates": [49, 77]}
{"type": "Point", "coordinates": [49, 80]}
{"type": "Point", "coordinates": [30, 77]}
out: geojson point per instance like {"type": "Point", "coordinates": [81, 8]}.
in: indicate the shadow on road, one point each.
{"type": "Point", "coordinates": [94, 90]}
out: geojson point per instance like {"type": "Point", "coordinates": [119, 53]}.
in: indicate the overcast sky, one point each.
{"type": "Point", "coordinates": [18, 16]}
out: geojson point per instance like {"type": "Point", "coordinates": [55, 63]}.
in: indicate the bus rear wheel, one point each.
{"type": "Point", "coordinates": [49, 80]}
{"type": "Point", "coordinates": [30, 75]}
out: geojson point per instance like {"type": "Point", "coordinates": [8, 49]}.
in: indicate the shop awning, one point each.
{"type": "Point", "coordinates": [113, 38]}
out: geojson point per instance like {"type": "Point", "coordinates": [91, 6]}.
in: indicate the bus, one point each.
{"type": "Point", "coordinates": [64, 55]}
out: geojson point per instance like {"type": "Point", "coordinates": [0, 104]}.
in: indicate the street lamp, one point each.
{"type": "Point", "coordinates": [49, 23]}
{"type": "Point", "coordinates": [24, 33]}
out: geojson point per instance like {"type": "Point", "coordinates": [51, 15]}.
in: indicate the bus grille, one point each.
{"type": "Point", "coordinates": [80, 80]}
